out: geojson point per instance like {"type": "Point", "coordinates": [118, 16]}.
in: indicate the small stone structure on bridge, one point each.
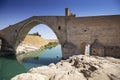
{"type": "Point", "coordinates": [73, 33]}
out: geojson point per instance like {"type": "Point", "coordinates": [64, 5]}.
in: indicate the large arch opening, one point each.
{"type": "Point", "coordinates": [44, 40]}
{"type": "Point", "coordinates": [18, 33]}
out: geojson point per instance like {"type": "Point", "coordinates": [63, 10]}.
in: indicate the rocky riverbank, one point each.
{"type": "Point", "coordinates": [78, 67]}
{"type": "Point", "coordinates": [24, 48]}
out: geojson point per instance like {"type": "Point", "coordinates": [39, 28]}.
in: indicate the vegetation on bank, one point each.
{"type": "Point", "coordinates": [51, 45]}
{"type": "Point", "coordinates": [35, 34]}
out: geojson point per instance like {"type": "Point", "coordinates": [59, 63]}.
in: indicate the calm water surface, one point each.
{"type": "Point", "coordinates": [9, 67]}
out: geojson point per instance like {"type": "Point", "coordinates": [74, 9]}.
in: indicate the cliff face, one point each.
{"type": "Point", "coordinates": [78, 67]}
{"type": "Point", "coordinates": [31, 43]}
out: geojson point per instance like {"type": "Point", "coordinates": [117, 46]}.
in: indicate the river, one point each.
{"type": "Point", "coordinates": [10, 66]}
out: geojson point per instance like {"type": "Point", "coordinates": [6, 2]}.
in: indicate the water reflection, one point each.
{"type": "Point", "coordinates": [29, 55]}
{"type": "Point", "coordinates": [46, 57]}
{"type": "Point", "coordinates": [9, 67]}
{"type": "Point", "coordinates": [42, 61]}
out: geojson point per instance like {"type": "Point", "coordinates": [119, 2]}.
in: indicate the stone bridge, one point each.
{"type": "Point", "coordinates": [74, 33]}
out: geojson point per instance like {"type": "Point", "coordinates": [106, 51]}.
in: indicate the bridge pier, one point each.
{"type": "Point", "coordinates": [6, 49]}
{"type": "Point", "coordinates": [69, 49]}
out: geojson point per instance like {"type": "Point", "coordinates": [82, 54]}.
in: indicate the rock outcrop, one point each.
{"type": "Point", "coordinates": [24, 48]}
{"type": "Point", "coordinates": [76, 68]}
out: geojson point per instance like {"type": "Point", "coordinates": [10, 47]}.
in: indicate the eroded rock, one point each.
{"type": "Point", "coordinates": [78, 67]}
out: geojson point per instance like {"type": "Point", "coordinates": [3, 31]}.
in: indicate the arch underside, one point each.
{"type": "Point", "coordinates": [28, 26]}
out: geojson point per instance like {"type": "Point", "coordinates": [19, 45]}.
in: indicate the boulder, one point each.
{"type": "Point", "coordinates": [78, 67]}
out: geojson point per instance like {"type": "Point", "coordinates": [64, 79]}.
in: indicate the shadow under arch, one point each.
{"type": "Point", "coordinates": [31, 24]}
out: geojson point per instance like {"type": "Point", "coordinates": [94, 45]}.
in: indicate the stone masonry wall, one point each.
{"type": "Point", "coordinates": [74, 33]}
{"type": "Point", "coordinates": [85, 30]}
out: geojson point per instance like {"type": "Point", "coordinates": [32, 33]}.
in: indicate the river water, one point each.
{"type": "Point", "coordinates": [10, 66]}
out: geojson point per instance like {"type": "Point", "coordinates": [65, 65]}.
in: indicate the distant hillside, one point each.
{"type": "Point", "coordinates": [33, 40]}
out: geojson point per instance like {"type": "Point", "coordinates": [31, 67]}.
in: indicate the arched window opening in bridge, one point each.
{"type": "Point", "coordinates": [41, 46]}
{"type": "Point", "coordinates": [85, 30]}
{"type": "Point", "coordinates": [59, 27]}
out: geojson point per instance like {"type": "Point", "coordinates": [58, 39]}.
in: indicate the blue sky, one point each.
{"type": "Point", "coordinates": [13, 11]}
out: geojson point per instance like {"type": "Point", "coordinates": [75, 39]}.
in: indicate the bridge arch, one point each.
{"type": "Point", "coordinates": [31, 24]}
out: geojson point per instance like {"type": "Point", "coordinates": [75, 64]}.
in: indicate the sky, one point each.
{"type": "Point", "coordinates": [14, 11]}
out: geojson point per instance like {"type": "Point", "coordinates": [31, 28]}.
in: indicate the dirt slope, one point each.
{"type": "Point", "coordinates": [35, 41]}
